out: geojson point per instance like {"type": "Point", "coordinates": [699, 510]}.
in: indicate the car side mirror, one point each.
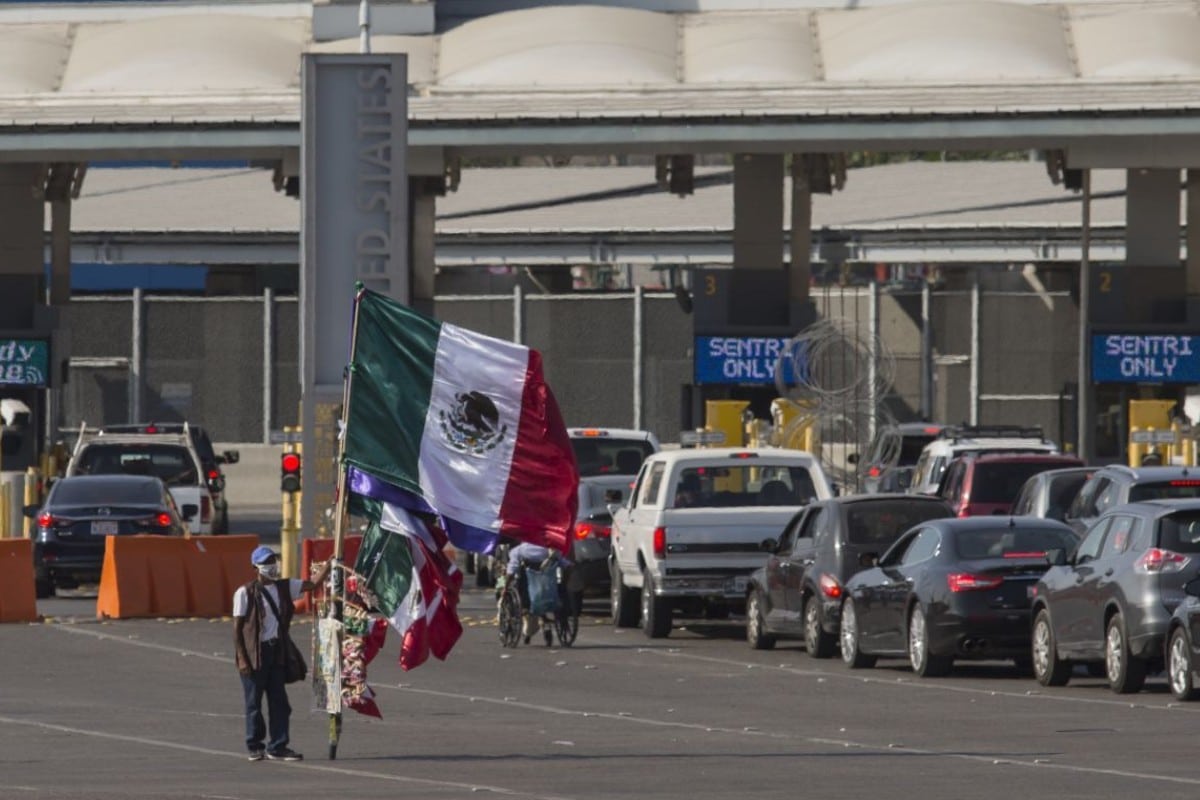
{"type": "Point", "coordinates": [230, 457]}
{"type": "Point", "coordinates": [1192, 587]}
{"type": "Point", "coordinates": [189, 510]}
{"type": "Point", "coordinates": [1056, 557]}
{"type": "Point", "coordinates": [31, 511]}
{"type": "Point", "coordinates": [769, 545]}
{"type": "Point", "coordinates": [868, 560]}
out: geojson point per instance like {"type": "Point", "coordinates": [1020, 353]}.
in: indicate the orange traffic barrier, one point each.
{"type": "Point", "coordinates": [18, 602]}
{"type": "Point", "coordinates": [162, 576]}
{"type": "Point", "coordinates": [322, 550]}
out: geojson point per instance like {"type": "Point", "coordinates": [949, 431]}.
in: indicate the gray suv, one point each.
{"type": "Point", "coordinates": [1117, 484]}
{"type": "Point", "coordinates": [1111, 600]}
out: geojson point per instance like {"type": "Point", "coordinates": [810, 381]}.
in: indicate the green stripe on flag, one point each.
{"type": "Point", "coordinates": [392, 381]}
{"type": "Point", "coordinates": [385, 560]}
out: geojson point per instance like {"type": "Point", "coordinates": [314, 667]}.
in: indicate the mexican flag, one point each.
{"type": "Point", "coordinates": [413, 582]}
{"type": "Point", "coordinates": [448, 421]}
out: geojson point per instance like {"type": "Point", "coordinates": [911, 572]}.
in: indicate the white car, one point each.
{"type": "Point", "coordinates": [168, 456]}
{"type": "Point", "coordinates": [954, 441]}
{"type": "Point", "coordinates": [694, 525]}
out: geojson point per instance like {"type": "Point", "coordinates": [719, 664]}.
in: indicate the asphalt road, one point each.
{"type": "Point", "coordinates": [151, 709]}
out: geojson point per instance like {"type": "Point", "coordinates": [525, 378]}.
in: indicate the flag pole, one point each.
{"type": "Point", "coordinates": [337, 587]}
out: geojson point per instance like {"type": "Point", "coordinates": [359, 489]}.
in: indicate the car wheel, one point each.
{"type": "Point", "coordinates": [1048, 668]}
{"type": "Point", "coordinates": [1179, 667]}
{"type": "Point", "coordinates": [1126, 674]}
{"type": "Point", "coordinates": [624, 601]}
{"type": "Point", "coordinates": [852, 656]}
{"type": "Point", "coordinates": [923, 662]}
{"type": "Point", "coordinates": [43, 588]}
{"type": "Point", "coordinates": [656, 611]}
{"type": "Point", "coordinates": [756, 624]}
{"type": "Point", "coordinates": [818, 643]}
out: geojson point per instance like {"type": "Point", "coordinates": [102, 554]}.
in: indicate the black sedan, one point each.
{"type": "Point", "coordinates": [80, 511]}
{"type": "Point", "coordinates": [951, 588]}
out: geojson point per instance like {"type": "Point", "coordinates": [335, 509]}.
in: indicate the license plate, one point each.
{"type": "Point", "coordinates": [738, 585]}
{"type": "Point", "coordinates": [104, 528]}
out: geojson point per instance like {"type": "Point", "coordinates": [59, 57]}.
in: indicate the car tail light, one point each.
{"type": "Point", "coordinates": [1192, 482]}
{"type": "Point", "coordinates": [874, 472]}
{"type": "Point", "coordinates": [594, 530]}
{"type": "Point", "coordinates": [830, 587]}
{"type": "Point", "coordinates": [967, 582]}
{"type": "Point", "coordinates": [213, 474]}
{"type": "Point", "coordinates": [151, 429]}
{"type": "Point", "coordinates": [660, 542]}
{"type": "Point", "coordinates": [46, 520]}
{"type": "Point", "coordinates": [163, 520]}
{"type": "Point", "coordinates": [744, 455]}
{"type": "Point", "coordinates": [205, 508]}
{"type": "Point", "coordinates": [1029, 554]}
{"type": "Point", "coordinates": [1155, 560]}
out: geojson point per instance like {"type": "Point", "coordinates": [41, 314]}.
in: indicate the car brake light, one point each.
{"type": "Point", "coordinates": [660, 542]}
{"type": "Point", "coordinates": [213, 474]}
{"type": "Point", "coordinates": [205, 507]}
{"type": "Point", "coordinates": [46, 520]}
{"type": "Point", "coordinates": [1186, 483]}
{"type": "Point", "coordinates": [1159, 561]}
{"type": "Point", "coordinates": [874, 472]}
{"type": "Point", "coordinates": [592, 432]}
{"type": "Point", "coordinates": [163, 520]}
{"type": "Point", "coordinates": [593, 529]}
{"type": "Point", "coordinates": [1030, 554]}
{"type": "Point", "coordinates": [744, 455]}
{"type": "Point", "coordinates": [151, 429]}
{"type": "Point", "coordinates": [830, 587]}
{"type": "Point", "coordinates": [967, 582]}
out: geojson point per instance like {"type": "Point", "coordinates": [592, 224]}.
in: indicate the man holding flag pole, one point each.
{"type": "Point", "coordinates": [448, 437]}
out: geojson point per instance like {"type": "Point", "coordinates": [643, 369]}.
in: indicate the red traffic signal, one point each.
{"type": "Point", "coordinates": [289, 472]}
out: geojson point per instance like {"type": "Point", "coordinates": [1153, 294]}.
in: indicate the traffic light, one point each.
{"type": "Point", "coordinates": [289, 472]}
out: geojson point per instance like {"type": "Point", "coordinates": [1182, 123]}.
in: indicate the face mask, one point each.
{"type": "Point", "coordinates": [269, 571]}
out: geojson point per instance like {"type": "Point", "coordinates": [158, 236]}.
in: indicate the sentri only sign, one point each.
{"type": "Point", "coordinates": [737, 359]}
{"type": "Point", "coordinates": [1145, 358]}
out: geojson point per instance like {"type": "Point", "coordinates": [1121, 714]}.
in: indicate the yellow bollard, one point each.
{"type": "Point", "coordinates": [5, 510]}
{"type": "Point", "coordinates": [32, 498]}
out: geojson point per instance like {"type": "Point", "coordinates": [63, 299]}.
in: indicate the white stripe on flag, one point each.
{"type": "Point", "coordinates": [465, 473]}
{"type": "Point", "coordinates": [411, 608]}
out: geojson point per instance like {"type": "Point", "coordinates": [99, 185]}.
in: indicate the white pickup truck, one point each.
{"type": "Point", "coordinates": [692, 529]}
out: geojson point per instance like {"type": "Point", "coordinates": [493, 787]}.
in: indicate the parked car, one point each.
{"type": "Point", "coordinates": [951, 589]}
{"type": "Point", "coordinates": [611, 451]}
{"type": "Point", "coordinates": [169, 457]}
{"type": "Point", "coordinates": [1049, 494]}
{"type": "Point", "coordinates": [957, 440]}
{"type": "Point", "coordinates": [80, 511]}
{"type": "Point", "coordinates": [1183, 638]}
{"type": "Point", "coordinates": [1118, 484]}
{"type": "Point", "coordinates": [692, 529]}
{"type": "Point", "coordinates": [887, 465]}
{"type": "Point", "coordinates": [1111, 601]}
{"type": "Point", "coordinates": [976, 484]}
{"type": "Point", "coordinates": [210, 461]}
{"type": "Point", "coordinates": [798, 594]}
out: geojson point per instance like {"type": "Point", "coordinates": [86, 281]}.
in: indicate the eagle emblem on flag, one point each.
{"type": "Point", "coordinates": [473, 425]}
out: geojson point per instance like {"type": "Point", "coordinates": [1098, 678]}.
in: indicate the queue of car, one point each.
{"type": "Point", "coordinates": [149, 478]}
{"type": "Point", "coordinates": [1003, 548]}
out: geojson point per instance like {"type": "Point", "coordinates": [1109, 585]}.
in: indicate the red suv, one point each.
{"type": "Point", "coordinates": [976, 485]}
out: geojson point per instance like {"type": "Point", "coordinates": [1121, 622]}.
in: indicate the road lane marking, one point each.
{"type": "Point", "coordinates": [305, 765]}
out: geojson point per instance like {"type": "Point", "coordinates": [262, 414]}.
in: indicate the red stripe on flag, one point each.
{"type": "Point", "coordinates": [439, 628]}
{"type": "Point", "coordinates": [541, 498]}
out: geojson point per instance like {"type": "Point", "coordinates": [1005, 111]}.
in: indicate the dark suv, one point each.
{"type": "Point", "coordinates": [977, 484]}
{"type": "Point", "coordinates": [889, 460]}
{"type": "Point", "coordinates": [1117, 484]}
{"type": "Point", "coordinates": [799, 592]}
{"type": "Point", "coordinates": [1112, 600]}
{"type": "Point", "coordinates": [214, 477]}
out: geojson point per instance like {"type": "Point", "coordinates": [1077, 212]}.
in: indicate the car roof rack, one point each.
{"type": "Point", "coordinates": [957, 432]}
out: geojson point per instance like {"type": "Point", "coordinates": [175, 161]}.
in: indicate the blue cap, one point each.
{"type": "Point", "coordinates": [261, 554]}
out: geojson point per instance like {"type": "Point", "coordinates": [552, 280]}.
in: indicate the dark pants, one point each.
{"type": "Point", "coordinates": [267, 679]}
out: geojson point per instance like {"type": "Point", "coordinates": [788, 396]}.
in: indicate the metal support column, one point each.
{"type": "Point", "coordinates": [639, 302]}
{"type": "Point", "coordinates": [518, 315]}
{"type": "Point", "coordinates": [1083, 395]}
{"type": "Point", "coordinates": [873, 361]}
{"type": "Point", "coordinates": [136, 351]}
{"type": "Point", "coordinates": [800, 274]}
{"type": "Point", "coordinates": [268, 339]}
{"type": "Point", "coordinates": [975, 347]}
{"type": "Point", "coordinates": [926, 354]}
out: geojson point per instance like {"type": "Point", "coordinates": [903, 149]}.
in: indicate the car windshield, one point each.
{"type": "Point", "coordinates": [69, 492]}
{"type": "Point", "coordinates": [1163, 490]}
{"type": "Point", "coordinates": [1000, 482]}
{"type": "Point", "coordinates": [724, 486]}
{"type": "Point", "coordinates": [172, 463]}
{"type": "Point", "coordinates": [1008, 542]}
{"type": "Point", "coordinates": [877, 525]}
{"type": "Point", "coordinates": [609, 456]}
{"type": "Point", "coordinates": [911, 447]}
{"type": "Point", "coordinates": [1180, 532]}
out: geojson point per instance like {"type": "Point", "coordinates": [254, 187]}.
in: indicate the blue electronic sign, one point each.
{"type": "Point", "coordinates": [24, 362]}
{"type": "Point", "coordinates": [740, 359]}
{"type": "Point", "coordinates": [1145, 358]}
